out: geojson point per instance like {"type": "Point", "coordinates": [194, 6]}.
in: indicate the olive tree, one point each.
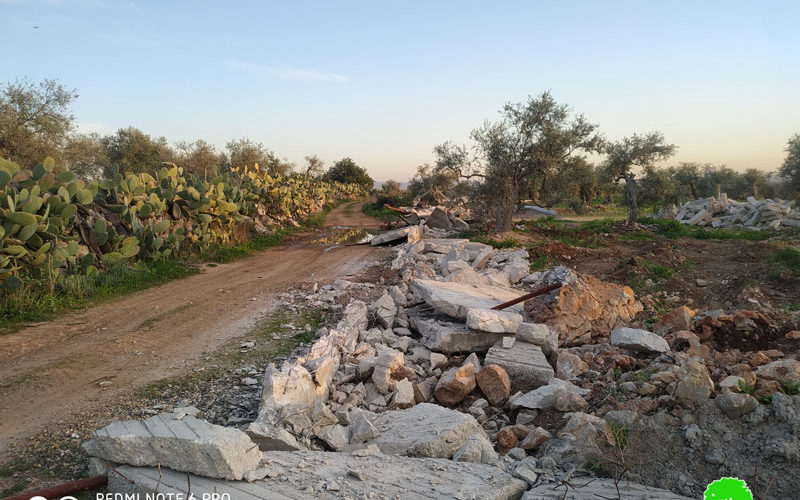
{"type": "Point", "coordinates": [533, 138]}
{"type": "Point", "coordinates": [791, 165]}
{"type": "Point", "coordinates": [630, 154]}
{"type": "Point", "coordinates": [34, 120]}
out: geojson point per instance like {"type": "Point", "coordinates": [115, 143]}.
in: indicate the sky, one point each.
{"type": "Point", "coordinates": [384, 82]}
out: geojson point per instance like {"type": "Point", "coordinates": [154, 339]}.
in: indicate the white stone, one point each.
{"type": "Point", "coordinates": [525, 363]}
{"type": "Point", "coordinates": [487, 320]}
{"type": "Point", "coordinates": [325, 475]}
{"type": "Point", "coordinates": [639, 340]}
{"type": "Point", "coordinates": [188, 444]}
{"type": "Point", "coordinates": [455, 299]}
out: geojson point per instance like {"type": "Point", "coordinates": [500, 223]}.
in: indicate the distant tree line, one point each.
{"type": "Point", "coordinates": [538, 152]}
{"type": "Point", "coordinates": [35, 122]}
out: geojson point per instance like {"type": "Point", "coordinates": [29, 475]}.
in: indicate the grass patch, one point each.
{"type": "Point", "coordinates": [788, 258]}
{"type": "Point", "coordinates": [670, 228]}
{"type": "Point", "coordinates": [35, 300]}
{"type": "Point", "coordinates": [379, 211]}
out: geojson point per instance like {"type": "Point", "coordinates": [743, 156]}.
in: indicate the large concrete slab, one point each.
{"type": "Point", "coordinates": [426, 430]}
{"type": "Point", "coordinates": [308, 474]}
{"type": "Point", "coordinates": [525, 363]}
{"type": "Point", "coordinates": [187, 444]}
{"type": "Point", "coordinates": [592, 488]}
{"type": "Point", "coordinates": [455, 299]}
{"type": "Point", "coordinates": [449, 337]}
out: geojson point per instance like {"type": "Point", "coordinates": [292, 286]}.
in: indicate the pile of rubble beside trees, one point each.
{"type": "Point", "coordinates": [429, 392]}
{"type": "Point", "coordinates": [721, 212]}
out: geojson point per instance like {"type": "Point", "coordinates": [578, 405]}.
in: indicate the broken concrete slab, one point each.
{"type": "Point", "coordinates": [445, 336]}
{"type": "Point", "coordinates": [592, 488]}
{"type": "Point", "coordinates": [488, 320]}
{"type": "Point", "coordinates": [525, 363]}
{"type": "Point", "coordinates": [396, 236]}
{"type": "Point", "coordinates": [188, 445]}
{"type": "Point", "coordinates": [638, 340]}
{"type": "Point", "coordinates": [539, 334]}
{"type": "Point", "coordinates": [455, 299]}
{"type": "Point", "coordinates": [439, 220]}
{"type": "Point", "coordinates": [384, 310]}
{"type": "Point", "coordinates": [426, 430]}
{"type": "Point", "coordinates": [545, 397]}
{"type": "Point", "coordinates": [315, 474]}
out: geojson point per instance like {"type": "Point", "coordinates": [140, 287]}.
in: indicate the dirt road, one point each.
{"type": "Point", "coordinates": [54, 369]}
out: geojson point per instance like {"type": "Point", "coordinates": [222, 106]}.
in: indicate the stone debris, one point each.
{"type": "Point", "coordinates": [638, 340]}
{"type": "Point", "coordinates": [583, 309]}
{"type": "Point", "coordinates": [592, 488]}
{"type": "Point", "coordinates": [494, 384]}
{"type": "Point", "coordinates": [426, 430]}
{"type": "Point", "coordinates": [428, 369]}
{"type": "Point", "coordinates": [188, 445]}
{"type": "Point", "coordinates": [487, 320]}
{"type": "Point", "coordinates": [721, 212]}
{"type": "Point", "coordinates": [525, 363]}
{"type": "Point", "coordinates": [455, 299]}
{"type": "Point", "coordinates": [314, 474]}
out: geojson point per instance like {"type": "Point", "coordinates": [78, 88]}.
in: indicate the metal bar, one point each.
{"type": "Point", "coordinates": [538, 291]}
{"type": "Point", "coordinates": [61, 490]}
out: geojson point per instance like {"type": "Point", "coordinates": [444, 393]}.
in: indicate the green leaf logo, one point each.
{"type": "Point", "coordinates": [728, 488]}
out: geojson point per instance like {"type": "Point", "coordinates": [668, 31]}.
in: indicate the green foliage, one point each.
{"type": "Point", "coordinates": [346, 171]}
{"type": "Point", "coordinates": [378, 211]}
{"type": "Point", "coordinates": [791, 165]}
{"type": "Point", "coordinates": [53, 226]}
{"type": "Point", "coordinates": [671, 228]}
{"type": "Point", "coordinates": [788, 258]}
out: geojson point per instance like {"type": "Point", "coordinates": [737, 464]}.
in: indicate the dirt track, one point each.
{"type": "Point", "coordinates": [53, 370]}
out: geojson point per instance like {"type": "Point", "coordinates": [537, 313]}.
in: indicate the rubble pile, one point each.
{"type": "Point", "coordinates": [721, 212]}
{"type": "Point", "coordinates": [429, 391]}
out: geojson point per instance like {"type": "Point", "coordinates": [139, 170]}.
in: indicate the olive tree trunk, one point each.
{"type": "Point", "coordinates": [630, 199]}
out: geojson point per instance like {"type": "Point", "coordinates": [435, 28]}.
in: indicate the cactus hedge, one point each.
{"type": "Point", "coordinates": [52, 223]}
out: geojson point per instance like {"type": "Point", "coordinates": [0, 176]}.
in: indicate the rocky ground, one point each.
{"type": "Point", "coordinates": [586, 381]}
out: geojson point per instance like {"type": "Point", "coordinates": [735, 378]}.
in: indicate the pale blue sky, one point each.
{"type": "Point", "coordinates": [385, 82]}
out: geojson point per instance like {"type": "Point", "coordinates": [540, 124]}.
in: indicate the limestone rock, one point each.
{"type": "Point", "coordinates": [329, 476]}
{"type": "Point", "coordinates": [389, 362]}
{"type": "Point", "coordinates": [594, 488]}
{"type": "Point", "coordinates": [426, 430]}
{"type": "Point", "coordinates": [455, 384]}
{"type": "Point", "coordinates": [539, 334]}
{"type": "Point", "coordinates": [455, 299]}
{"type": "Point", "coordinates": [639, 340]}
{"type": "Point", "coordinates": [593, 436]}
{"type": "Point", "coordinates": [487, 320]}
{"type": "Point", "coordinates": [783, 370]}
{"type": "Point", "coordinates": [384, 310]}
{"type": "Point", "coordinates": [188, 444]}
{"type": "Point", "coordinates": [450, 337]}
{"type": "Point", "coordinates": [477, 450]}
{"type": "Point", "coordinates": [403, 394]}
{"type": "Point", "coordinates": [735, 405]}
{"type": "Point", "coordinates": [582, 309]}
{"type": "Point", "coordinates": [545, 397]}
{"type": "Point", "coordinates": [494, 384]}
{"type": "Point", "coordinates": [569, 366]}
{"type": "Point", "coordinates": [525, 364]}
{"type": "Point", "coordinates": [694, 383]}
